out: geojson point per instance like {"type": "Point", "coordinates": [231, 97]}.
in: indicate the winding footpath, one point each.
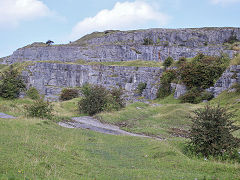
{"type": "Point", "coordinates": [87, 122]}
{"type": "Point", "coordinates": [6, 116]}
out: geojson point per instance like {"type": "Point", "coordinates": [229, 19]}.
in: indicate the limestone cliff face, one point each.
{"type": "Point", "coordinates": [128, 45]}
{"type": "Point", "coordinates": [225, 82]}
{"type": "Point", "coordinates": [50, 78]}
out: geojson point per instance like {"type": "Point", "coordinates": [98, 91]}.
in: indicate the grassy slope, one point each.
{"type": "Point", "coordinates": [135, 63]}
{"type": "Point", "coordinates": [40, 149]}
{"type": "Point", "coordinates": [156, 121]}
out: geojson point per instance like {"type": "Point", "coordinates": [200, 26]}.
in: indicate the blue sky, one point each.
{"type": "Point", "coordinates": [23, 22]}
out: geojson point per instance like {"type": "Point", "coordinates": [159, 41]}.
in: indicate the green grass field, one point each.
{"type": "Point", "coordinates": [32, 148]}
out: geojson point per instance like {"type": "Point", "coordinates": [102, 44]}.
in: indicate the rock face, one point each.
{"type": "Point", "coordinates": [128, 45]}
{"type": "Point", "coordinates": [180, 90]}
{"type": "Point", "coordinates": [228, 78]}
{"type": "Point", "coordinates": [50, 78]}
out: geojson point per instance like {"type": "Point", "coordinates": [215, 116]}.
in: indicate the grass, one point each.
{"type": "Point", "coordinates": [231, 101]}
{"type": "Point", "coordinates": [3, 67]}
{"type": "Point", "coordinates": [39, 149]}
{"type": "Point", "coordinates": [236, 60]}
{"type": "Point", "coordinates": [135, 63]}
{"type": "Point", "coordinates": [33, 148]}
{"type": "Point", "coordinates": [155, 121]}
{"type": "Point", "coordinates": [93, 35]}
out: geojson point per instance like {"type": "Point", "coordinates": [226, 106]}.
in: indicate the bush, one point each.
{"type": "Point", "coordinates": [11, 84]}
{"type": "Point", "coordinates": [96, 99]}
{"type": "Point", "coordinates": [33, 93]}
{"type": "Point", "coordinates": [40, 109]}
{"type": "Point", "coordinates": [192, 96]}
{"type": "Point", "coordinates": [203, 71]}
{"type": "Point", "coordinates": [211, 132]}
{"type": "Point", "coordinates": [165, 83]}
{"type": "Point", "coordinates": [181, 60]}
{"type": "Point", "coordinates": [117, 99]}
{"type": "Point", "coordinates": [168, 62]}
{"type": "Point", "coordinates": [237, 87]}
{"type": "Point", "coordinates": [141, 87]}
{"type": "Point", "coordinates": [164, 90]}
{"type": "Point", "coordinates": [206, 96]}
{"type": "Point", "coordinates": [147, 41]}
{"type": "Point", "coordinates": [68, 94]}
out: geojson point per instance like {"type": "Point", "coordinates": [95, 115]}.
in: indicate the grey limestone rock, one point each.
{"type": "Point", "coordinates": [6, 116]}
{"type": "Point", "coordinates": [225, 82]}
{"type": "Point", "coordinates": [51, 78]}
{"type": "Point", "coordinates": [180, 90]}
{"type": "Point", "coordinates": [128, 45]}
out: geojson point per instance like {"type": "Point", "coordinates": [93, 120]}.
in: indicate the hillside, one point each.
{"type": "Point", "coordinates": [39, 148]}
{"type": "Point", "coordinates": [33, 148]}
{"type": "Point", "coordinates": [148, 45]}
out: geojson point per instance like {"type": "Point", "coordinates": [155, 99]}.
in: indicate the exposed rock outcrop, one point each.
{"type": "Point", "coordinates": [50, 78]}
{"type": "Point", "coordinates": [128, 45]}
{"type": "Point", "coordinates": [228, 78]}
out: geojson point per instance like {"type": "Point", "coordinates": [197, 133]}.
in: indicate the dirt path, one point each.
{"type": "Point", "coordinates": [6, 116]}
{"type": "Point", "coordinates": [87, 122]}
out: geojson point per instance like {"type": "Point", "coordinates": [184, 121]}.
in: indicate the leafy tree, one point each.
{"type": "Point", "coordinates": [211, 131]}
{"type": "Point", "coordinates": [202, 71]}
{"type": "Point", "coordinates": [68, 94]}
{"type": "Point", "coordinates": [165, 83]}
{"type": "Point", "coordinates": [97, 98]}
{"type": "Point", "coordinates": [11, 84]}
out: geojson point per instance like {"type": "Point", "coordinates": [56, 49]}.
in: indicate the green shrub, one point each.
{"type": "Point", "coordinates": [11, 84]}
{"type": "Point", "coordinates": [180, 62]}
{"type": "Point", "coordinates": [147, 41]}
{"type": "Point", "coordinates": [68, 94]}
{"type": "Point", "coordinates": [141, 87]}
{"type": "Point", "coordinates": [117, 98]}
{"type": "Point", "coordinates": [211, 132]}
{"type": "Point", "coordinates": [206, 96]}
{"type": "Point", "coordinates": [165, 83]}
{"type": "Point", "coordinates": [40, 109]}
{"type": "Point", "coordinates": [203, 71]}
{"type": "Point", "coordinates": [168, 62]}
{"type": "Point", "coordinates": [237, 87]}
{"type": "Point", "coordinates": [192, 96]}
{"type": "Point", "coordinates": [96, 99]}
{"type": "Point", "coordinates": [33, 93]}
{"type": "Point", "coordinates": [164, 90]}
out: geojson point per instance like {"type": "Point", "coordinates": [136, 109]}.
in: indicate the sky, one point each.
{"type": "Point", "coordinates": [23, 22]}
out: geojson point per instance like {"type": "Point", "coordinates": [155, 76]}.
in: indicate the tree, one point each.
{"type": "Point", "coordinates": [211, 131]}
{"type": "Point", "coordinates": [97, 98]}
{"type": "Point", "coordinates": [49, 42]}
{"type": "Point", "coordinates": [168, 62]}
{"type": "Point", "coordinates": [11, 84]}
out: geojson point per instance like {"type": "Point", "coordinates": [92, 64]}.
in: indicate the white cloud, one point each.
{"type": "Point", "coordinates": [223, 2]}
{"type": "Point", "coordinates": [125, 15]}
{"type": "Point", "coordinates": [12, 12]}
